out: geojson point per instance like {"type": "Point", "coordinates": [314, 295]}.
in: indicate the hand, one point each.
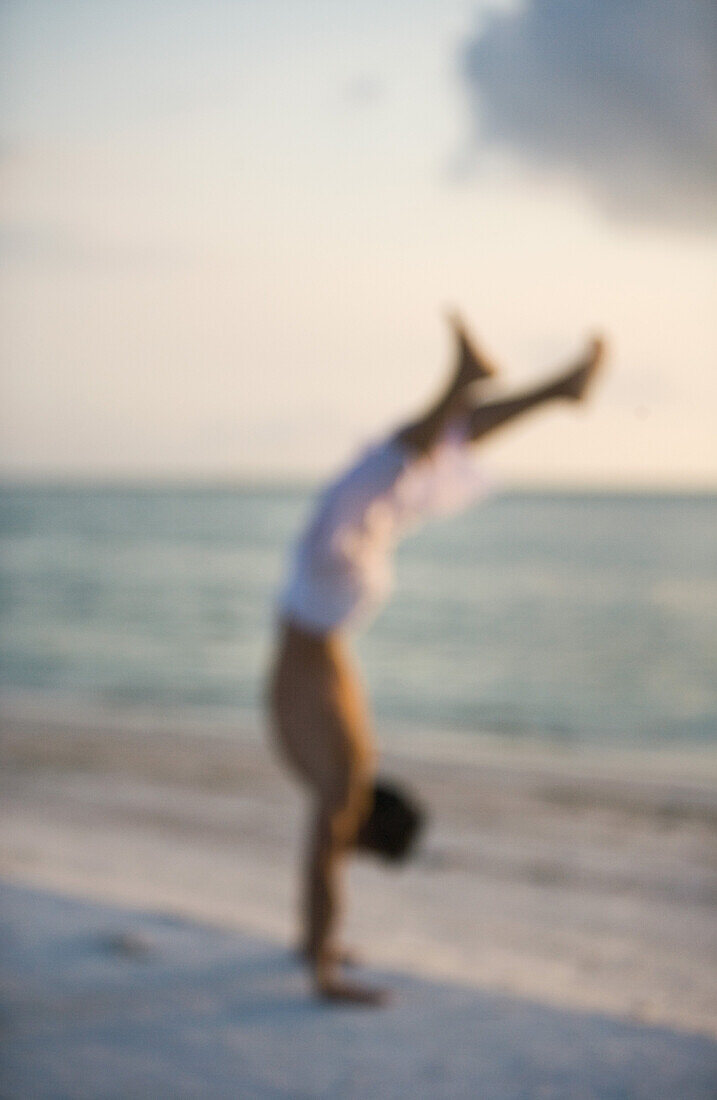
{"type": "Point", "coordinates": [339, 991]}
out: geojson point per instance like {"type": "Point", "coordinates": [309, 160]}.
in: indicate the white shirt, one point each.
{"type": "Point", "coordinates": [341, 568]}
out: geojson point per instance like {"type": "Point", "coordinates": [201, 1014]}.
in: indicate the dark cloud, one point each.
{"type": "Point", "coordinates": [622, 94]}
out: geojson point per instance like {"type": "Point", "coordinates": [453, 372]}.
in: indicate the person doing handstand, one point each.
{"type": "Point", "coordinates": [340, 572]}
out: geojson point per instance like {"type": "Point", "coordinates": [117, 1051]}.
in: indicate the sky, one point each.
{"type": "Point", "coordinates": [230, 230]}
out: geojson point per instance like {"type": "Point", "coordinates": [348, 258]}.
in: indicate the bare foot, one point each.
{"type": "Point", "coordinates": [574, 385]}
{"type": "Point", "coordinates": [341, 992]}
{"type": "Point", "coordinates": [472, 363]}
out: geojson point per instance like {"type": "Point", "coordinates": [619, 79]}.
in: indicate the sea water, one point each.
{"type": "Point", "coordinates": [573, 618]}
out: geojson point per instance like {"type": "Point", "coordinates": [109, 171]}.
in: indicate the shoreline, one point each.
{"type": "Point", "coordinates": [693, 762]}
{"type": "Point", "coordinates": [555, 876]}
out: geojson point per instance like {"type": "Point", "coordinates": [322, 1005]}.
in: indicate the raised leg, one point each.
{"type": "Point", "coordinates": [471, 365]}
{"type": "Point", "coordinates": [571, 385]}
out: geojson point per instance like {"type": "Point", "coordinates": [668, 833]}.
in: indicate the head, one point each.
{"type": "Point", "coordinates": [392, 827]}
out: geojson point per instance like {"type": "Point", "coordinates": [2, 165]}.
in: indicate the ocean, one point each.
{"type": "Point", "coordinates": [569, 618]}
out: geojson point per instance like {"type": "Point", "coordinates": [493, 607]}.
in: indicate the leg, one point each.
{"type": "Point", "coordinates": [572, 385]}
{"type": "Point", "coordinates": [471, 366]}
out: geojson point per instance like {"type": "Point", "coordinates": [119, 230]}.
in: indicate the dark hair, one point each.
{"type": "Point", "coordinates": [391, 829]}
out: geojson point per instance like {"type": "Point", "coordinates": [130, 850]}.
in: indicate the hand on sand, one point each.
{"type": "Point", "coordinates": [335, 956]}
{"type": "Point", "coordinates": [472, 363]}
{"type": "Point", "coordinates": [341, 992]}
{"type": "Point", "coordinates": [575, 384]}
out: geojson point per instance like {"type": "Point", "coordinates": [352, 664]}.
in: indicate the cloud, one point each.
{"type": "Point", "coordinates": [620, 94]}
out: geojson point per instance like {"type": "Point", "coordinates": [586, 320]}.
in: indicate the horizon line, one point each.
{"type": "Point", "coordinates": [308, 481]}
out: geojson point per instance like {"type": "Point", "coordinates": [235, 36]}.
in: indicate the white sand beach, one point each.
{"type": "Point", "coordinates": [582, 882]}
{"type": "Point", "coordinates": [101, 1001]}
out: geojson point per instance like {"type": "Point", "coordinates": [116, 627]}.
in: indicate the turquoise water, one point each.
{"type": "Point", "coordinates": [568, 617]}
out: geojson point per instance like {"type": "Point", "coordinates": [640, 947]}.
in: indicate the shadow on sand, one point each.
{"type": "Point", "coordinates": [100, 1002]}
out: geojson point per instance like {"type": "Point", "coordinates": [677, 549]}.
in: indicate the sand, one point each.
{"type": "Point", "coordinates": [104, 1002]}
{"type": "Point", "coordinates": [580, 882]}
